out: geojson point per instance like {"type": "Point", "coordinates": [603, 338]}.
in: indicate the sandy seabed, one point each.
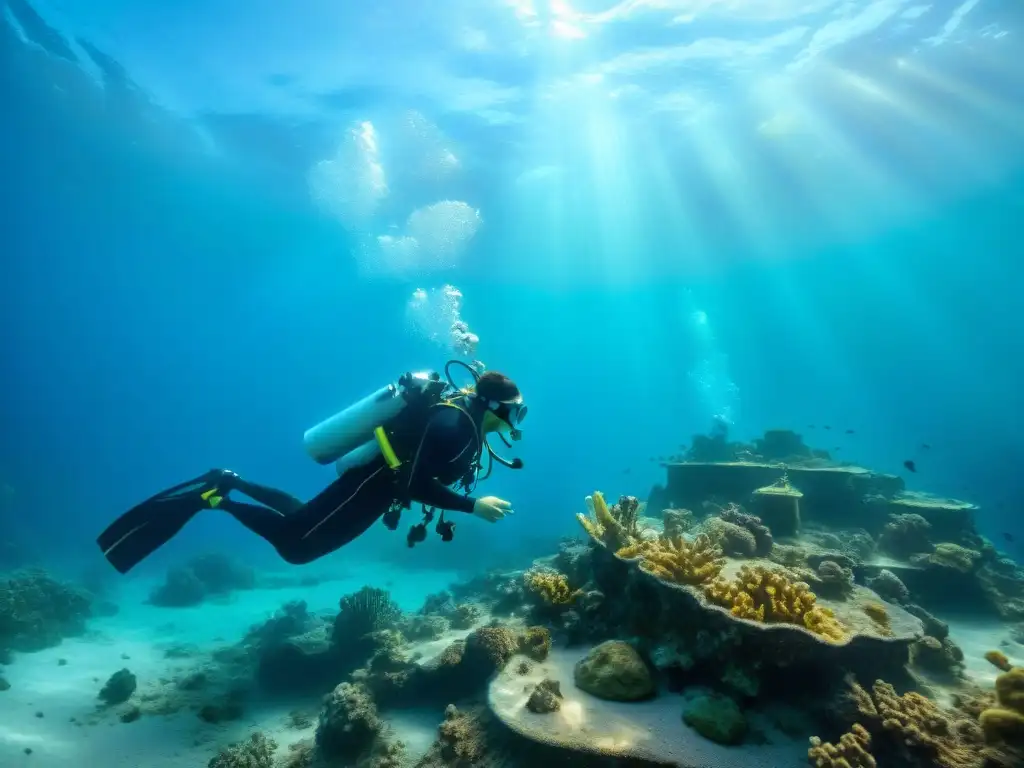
{"type": "Point", "coordinates": [49, 718]}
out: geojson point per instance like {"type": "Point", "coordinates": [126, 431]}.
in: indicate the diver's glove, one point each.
{"type": "Point", "coordinates": [492, 509]}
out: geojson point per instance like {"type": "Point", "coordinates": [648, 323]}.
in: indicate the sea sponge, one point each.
{"type": "Point", "coordinates": [880, 616]}
{"type": "Point", "coordinates": [615, 527]}
{"type": "Point", "coordinates": [760, 594]}
{"type": "Point", "coordinates": [852, 751]}
{"type": "Point", "coordinates": [551, 588]}
{"type": "Point", "coordinates": [677, 560]}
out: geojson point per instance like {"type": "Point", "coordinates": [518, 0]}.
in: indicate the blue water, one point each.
{"type": "Point", "coordinates": [805, 214]}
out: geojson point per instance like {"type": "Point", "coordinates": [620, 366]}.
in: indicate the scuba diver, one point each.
{"type": "Point", "coordinates": [407, 442]}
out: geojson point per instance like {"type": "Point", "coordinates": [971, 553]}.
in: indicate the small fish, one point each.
{"type": "Point", "coordinates": [1007, 536]}
{"type": "Point", "coordinates": [850, 432]}
{"type": "Point", "coordinates": [909, 464]}
{"type": "Point", "coordinates": [626, 471]}
{"type": "Point", "coordinates": [837, 448]}
{"type": "Point", "coordinates": [925, 446]}
{"type": "Point", "coordinates": [827, 427]}
{"type": "Point", "coordinates": [810, 426]}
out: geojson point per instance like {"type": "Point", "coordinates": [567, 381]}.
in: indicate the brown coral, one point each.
{"type": "Point", "coordinates": [677, 560]}
{"type": "Point", "coordinates": [551, 588]}
{"type": "Point", "coordinates": [760, 594]}
{"type": "Point", "coordinates": [852, 751]}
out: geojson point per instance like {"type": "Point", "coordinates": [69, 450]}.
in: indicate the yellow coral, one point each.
{"type": "Point", "coordinates": [878, 614]}
{"type": "Point", "coordinates": [677, 560]}
{"type": "Point", "coordinates": [850, 752]}
{"type": "Point", "coordinates": [760, 594]}
{"type": "Point", "coordinates": [612, 531]}
{"type": "Point", "coordinates": [551, 588]}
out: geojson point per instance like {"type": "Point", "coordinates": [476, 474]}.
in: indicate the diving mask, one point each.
{"type": "Point", "coordinates": [513, 413]}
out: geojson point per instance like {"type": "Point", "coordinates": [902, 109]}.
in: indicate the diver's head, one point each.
{"type": "Point", "coordinates": [505, 409]}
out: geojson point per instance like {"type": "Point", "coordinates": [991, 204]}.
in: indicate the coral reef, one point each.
{"type": "Point", "coordinates": [349, 725]}
{"type": "Point", "coordinates": [734, 540]}
{"type": "Point", "coordinates": [676, 560]}
{"type": "Point", "coordinates": [905, 535]}
{"type": "Point", "coordinates": [37, 611]}
{"type": "Point", "coordinates": [889, 587]}
{"type": "Point", "coordinates": [912, 730]}
{"type": "Point", "coordinates": [552, 589]}
{"type": "Point", "coordinates": [947, 555]}
{"type": "Point", "coordinates": [465, 615]}
{"type": "Point", "coordinates": [835, 580]}
{"type": "Point", "coordinates": [938, 657]}
{"type": "Point", "coordinates": [368, 610]}
{"type": "Point", "coordinates": [200, 578]}
{"type": "Point", "coordinates": [614, 670]}
{"type": "Point", "coordinates": [255, 752]}
{"type": "Point", "coordinates": [615, 527]}
{"type": "Point", "coordinates": [760, 594]}
{"type": "Point", "coordinates": [1003, 724]}
{"type": "Point", "coordinates": [852, 751]}
{"type": "Point", "coordinates": [763, 541]}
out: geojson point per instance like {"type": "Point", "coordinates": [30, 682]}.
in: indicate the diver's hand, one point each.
{"type": "Point", "coordinates": [491, 508]}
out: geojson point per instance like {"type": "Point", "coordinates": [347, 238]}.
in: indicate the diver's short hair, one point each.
{"type": "Point", "coordinates": [497, 386]}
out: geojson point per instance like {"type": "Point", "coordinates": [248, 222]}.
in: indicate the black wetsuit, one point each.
{"type": "Point", "coordinates": [441, 454]}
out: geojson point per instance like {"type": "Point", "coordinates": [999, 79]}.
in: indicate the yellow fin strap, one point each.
{"type": "Point", "coordinates": [385, 448]}
{"type": "Point", "coordinates": [211, 497]}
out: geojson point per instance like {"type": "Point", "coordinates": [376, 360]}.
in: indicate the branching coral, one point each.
{"type": "Point", "coordinates": [760, 594]}
{"type": "Point", "coordinates": [677, 560]}
{"type": "Point", "coordinates": [615, 527]}
{"type": "Point", "coordinates": [914, 729]}
{"type": "Point", "coordinates": [551, 588]}
{"type": "Point", "coordinates": [852, 751]}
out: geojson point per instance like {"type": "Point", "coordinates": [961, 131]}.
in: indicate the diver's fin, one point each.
{"type": "Point", "coordinates": [147, 526]}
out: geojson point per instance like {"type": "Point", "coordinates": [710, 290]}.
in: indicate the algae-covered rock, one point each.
{"type": "Point", "coordinates": [118, 688]}
{"type": "Point", "coordinates": [546, 697]}
{"type": "Point", "coordinates": [614, 671]}
{"type": "Point", "coordinates": [716, 717]}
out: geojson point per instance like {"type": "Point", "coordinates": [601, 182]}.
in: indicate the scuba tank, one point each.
{"type": "Point", "coordinates": [347, 437]}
